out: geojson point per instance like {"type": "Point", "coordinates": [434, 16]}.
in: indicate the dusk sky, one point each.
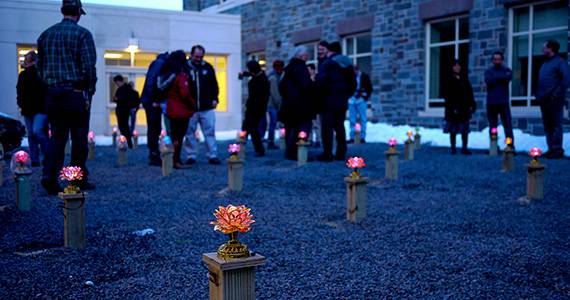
{"type": "Point", "coordinates": [158, 4]}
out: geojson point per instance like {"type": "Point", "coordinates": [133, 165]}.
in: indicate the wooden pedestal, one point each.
{"type": "Point", "coordinates": [122, 157]}
{"type": "Point", "coordinates": [282, 143]}
{"type": "Point", "coordinates": [302, 154]}
{"type": "Point", "coordinates": [535, 181]}
{"type": "Point", "coordinates": [74, 219]}
{"type": "Point", "coordinates": [392, 164]}
{"type": "Point", "coordinates": [357, 137]}
{"type": "Point", "coordinates": [23, 189]}
{"type": "Point", "coordinates": [493, 149]}
{"type": "Point", "coordinates": [68, 147]}
{"type": "Point", "coordinates": [91, 153]}
{"type": "Point", "coordinates": [355, 198]}
{"type": "Point", "coordinates": [418, 141]}
{"type": "Point", "coordinates": [241, 153]}
{"type": "Point", "coordinates": [409, 150]}
{"type": "Point", "coordinates": [235, 175]}
{"type": "Point", "coordinates": [135, 142]}
{"type": "Point", "coordinates": [114, 139]}
{"type": "Point", "coordinates": [167, 161]}
{"type": "Point", "coordinates": [232, 279]}
{"type": "Point", "coordinates": [508, 159]}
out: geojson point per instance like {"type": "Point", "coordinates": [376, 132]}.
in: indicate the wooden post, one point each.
{"type": "Point", "coordinates": [493, 148]}
{"type": "Point", "coordinates": [74, 219]}
{"type": "Point", "coordinates": [418, 141]}
{"type": "Point", "coordinates": [282, 143]}
{"type": "Point", "coordinates": [23, 189]}
{"type": "Point", "coordinates": [235, 175]}
{"type": "Point", "coordinates": [535, 181]}
{"type": "Point", "coordinates": [232, 279]}
{"type": "Point", "coordinates": [508, 159]}
{"type": "Point", "coordinates": [167, 156]}
{"type": "Point", "coordinates": [392, 164]}
{"type": "Point", "coordinates": [91, 154]}
{"type": "Point", "coordinates": [114, 139]}
{"type": "Point", "coordinates": [409, 150]}
{"type": "Point", "coordinates": [241, 153]}
{"type": "Point", "coordinates": [122, 157]}
{"type": "Point", "coordinates": [357, 137]}
{"type": "Point", "coordinates": [135, 142]}
{"type": "Point", "coordinates": [302, 153]}
{"type": "Point", "coordinates": [68, 147]}
{"type": "Point", "coordinates": [355, 198]}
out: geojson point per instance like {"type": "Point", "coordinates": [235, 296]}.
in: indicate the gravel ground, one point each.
{"type": "Point", "coordinates": [451, 227]}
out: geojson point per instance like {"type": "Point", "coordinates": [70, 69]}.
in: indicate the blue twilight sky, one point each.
{"type": "Point", "coordinates": [158, 4]}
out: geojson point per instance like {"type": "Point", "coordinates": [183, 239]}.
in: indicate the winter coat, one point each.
{"type": "Point", "coordinates": [553, 80]}
{"type": "Point", "coordinates": [180, 103]}
{"type": "Point", "coordinates": [258, 88]}
{"type": "Point", "coordinates": [497, 80]}
{"type": "Point", "coordinates": [274, 94]}
{"type": "Point", "coordinates": [204, 85]}
{"type": "Point", "coordinates": [126, 97]}
{"type": "Point", "coordinates": [365, 90]}
{"type": "Point", "coordinates": [336, 83]}
{"type": "Point", "coordinates": [150, 92]}
{"type": "Point", "coordinates": [31, 92]}
{"type": "Point", "coordinates": [459, 101]}
{"type": "Point", "coordinates": [297, 92]}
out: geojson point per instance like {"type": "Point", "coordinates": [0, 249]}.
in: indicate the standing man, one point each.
{"type": "Point", "coordinates": [358, 103]}
{"type": "Point", "coordinates": [322, 54]}
{"type": "Point", "coordinates": [151, 99]}
{"type": "Point", "coordinates": [274, 103]}
{"type": "Point", "coordinates": [31, 95]}
{"type": "Point", "coordinates": [336, 83]}
{"type": "Point", "coordinates": [66, 62]}
{"type": "Point", "coordinates": [497, 79]}
{"type": "Point", "coordinates": [205, 91]}
{"type": "Point", "coordinates": [256, 105]}
{"type": "Point", "coordinates": [553, 80]}
{"type": "Point", "coordinates": [123, 98]}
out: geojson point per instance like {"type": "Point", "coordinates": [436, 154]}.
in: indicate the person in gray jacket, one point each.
{"type": "Point", "coordinates": [274, 103]}
{"type": "Point", "coordinates": [497, 79]}
{"type": "Point", "coordinates": [553, 80]}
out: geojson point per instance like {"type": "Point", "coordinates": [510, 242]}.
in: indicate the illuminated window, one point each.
{"type": "Point", "coordinates": [23, 50]}
{"type": "Point", "coordinates": [220, 64]}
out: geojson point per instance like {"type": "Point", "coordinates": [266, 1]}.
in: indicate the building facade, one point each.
{"type": "Point", "coordinates": [407, 46]}
{"type": "Point", "coordinates": [127, 40]}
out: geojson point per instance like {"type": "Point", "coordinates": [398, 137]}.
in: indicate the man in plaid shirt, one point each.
{"type": "Point", "coordinates": [66, 62]}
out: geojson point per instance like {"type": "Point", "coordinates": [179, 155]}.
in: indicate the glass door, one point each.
{"type": "Point", "coordinates": [136, 79]}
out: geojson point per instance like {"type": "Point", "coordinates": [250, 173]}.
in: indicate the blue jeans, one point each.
{"type": "Point", "coordinates": [133, 119]}
{"type": "Point", "coordinates": [356, 107]}
{"type": "Point", "coordinates": [37, 127]}
{"type": "Point", "coordinates": [207, 121]}
{"type": "Point", "coordinates": [272, 112]}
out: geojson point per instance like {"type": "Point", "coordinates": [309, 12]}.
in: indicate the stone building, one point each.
{"type": "Point", "coordinates": [407, 45]}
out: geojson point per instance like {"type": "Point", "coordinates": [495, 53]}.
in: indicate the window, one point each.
{"type": "Point", "coordinates": [220, 64]}
{"type": "Point", "coordinates": [447, 39]}
{"type": "Point", "coordinates": [529, 27]}
{"type": "Point", "coordinates": [359, 49]}
{"type": "Point", "coordinates": [312, 49]}
{"type": "Point", "coordinates": [23, 50]}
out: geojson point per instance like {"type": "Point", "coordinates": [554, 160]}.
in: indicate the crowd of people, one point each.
{"type": "Point", "coordinates": [57, 85]}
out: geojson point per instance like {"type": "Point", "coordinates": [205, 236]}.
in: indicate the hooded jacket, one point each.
{"type": "Point", "coordinates": [297, 94]}
{"type": "Point", "coordinates": [31, 92]}
{"type": "Point", "coordinates": [336, 83]}
{"type": "Point", "coordinates": [150, 92]}
{"type": "Point", "coordinates": [204, 85]}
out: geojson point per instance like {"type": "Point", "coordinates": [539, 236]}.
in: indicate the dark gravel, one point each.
{"type": "Point", "coordinates": [450, 228]}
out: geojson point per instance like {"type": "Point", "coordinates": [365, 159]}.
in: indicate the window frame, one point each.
{"type": "Point", "coordinates": [356, 55]}
{"type": "Point", "coordinates": [314, 47]}
{"type": "Point", "coordinates": [528, 110]}
{"type": "Point", "coordinates": [456, 42]}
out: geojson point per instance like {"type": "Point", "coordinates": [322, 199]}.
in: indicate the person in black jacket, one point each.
{"type": "Point", "coordinates": [124, 99]}
{"type": "Point", "coordinates": [31, 93]}
{"type": "Point", "coordinates": [256, 105]}
{"type": "Point", "coordinates": [204, 88]}
{"type": "Point", "coordinates": [358, 103]}
{"type": "Point", "coordinates": [297, 107]}
{"type": "Point", "coordinates": [336, 83]}
{"type": "Point", "coordinates": [497, 79]}
{"type": "Point", "coordinates": [459, 107]}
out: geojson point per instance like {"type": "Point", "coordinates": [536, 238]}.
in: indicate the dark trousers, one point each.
{"type": "Point", "coordinates": [292, 137]}
{"type": "Point", "coordinates": [68, 113]}
{"type": "Point", "coordinates": [552, 121]}
{"type": "Point", "coordinates": [154, 125]}
{"type": "Point", "coordinates": [504, 111]}
{"type": "Point", "coordinates": [272, 113]}
{"type": "Point", "coordinates": [333, 122]}
{"type": "Point", "coordinates": [123, 115]}
{"type": "Point", "coordinates": [251, 125]}
{"type": "Point", "coordinates": [178, 128]}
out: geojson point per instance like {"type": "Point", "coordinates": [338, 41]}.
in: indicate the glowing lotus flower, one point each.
{"type": "Point", "coordinates": [357, 127]}
{"type": "Point", "coordinates": [232, 218]}
{"type": "Point", "coordinates": [115, 130]}
{"type": "Point", "coordinates": [302, 135]}
{"type": "Point", "coordinates": [494, 131]}
{"type": "Point", "coordinates": [355, 163]}
{"type": "Point", "coordinates": [282, 132]}
{"type": "Point", "coordinates": [122, 142]}
{"type": "Point", "coordinates": [49, 132]}
{"type": "Point", "coordinates": [163, 133]}
{"type": "Point", "coordinates": [509, 141]}
{"type": "Point", "coordinates": [91, 136]}
{"type": "Point", "coordinates": [234, 149]}
{"type": "Point", "coordinates": [242, 134]}
{"type": "Point", "coordinates": [535, 153]}
{"type": "Point", "coordinates": [135, 133]}
{"type": "Point", "coordinates": [392, 142]}
{"type": "Point", "coordinates": [71, 173]}
{"type": "Point", "coordinates": [409, 133]}
{"type": "Point", "coordinates": [122, 139]}
{"type": "Point", "coordinates": [167, 140]}
{"type": "Point", "coordinates": [21, 157]}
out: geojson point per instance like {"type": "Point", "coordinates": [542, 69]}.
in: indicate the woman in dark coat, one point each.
{"type": "Point", "coordinates": [459, 107]}
{"type": "Point", "coordinates": [256, 105]}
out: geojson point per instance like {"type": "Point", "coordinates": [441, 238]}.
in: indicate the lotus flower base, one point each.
{"type": "Point", "coordinates": [233, 248]}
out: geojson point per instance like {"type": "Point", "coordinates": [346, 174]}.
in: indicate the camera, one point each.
{"type": "Point", "coordinates": [244, 74]}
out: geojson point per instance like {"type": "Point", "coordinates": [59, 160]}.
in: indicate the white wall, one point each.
{"type": "Point", "coordinates": [22, 21]}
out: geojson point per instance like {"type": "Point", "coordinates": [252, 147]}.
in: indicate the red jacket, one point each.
{"type": "Point", "coordinates": [180, 103]}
